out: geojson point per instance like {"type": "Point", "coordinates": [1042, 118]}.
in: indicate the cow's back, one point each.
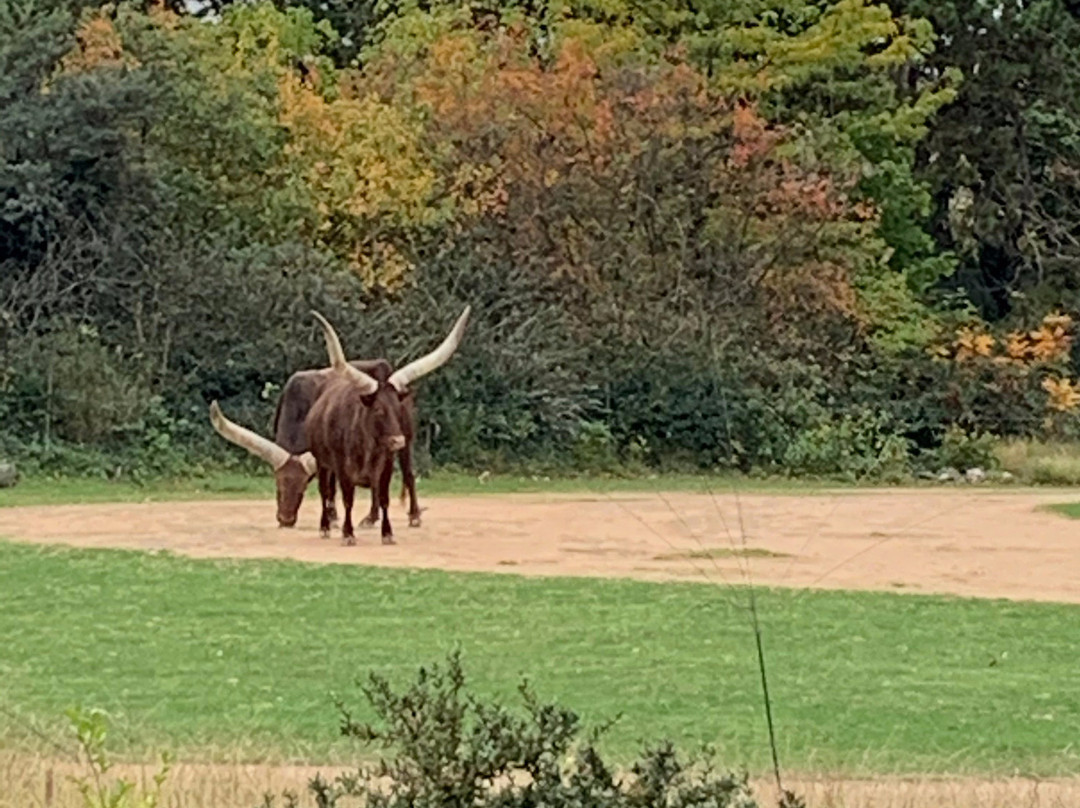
{"type": "Point", "coordinates": [337, 432]}
{"type": "Point", "coordinates": [299, 394]}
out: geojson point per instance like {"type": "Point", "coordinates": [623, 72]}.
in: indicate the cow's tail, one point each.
{"type": "Point", "coordinates": [277, 415]}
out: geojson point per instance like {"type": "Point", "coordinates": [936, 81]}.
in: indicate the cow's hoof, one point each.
{"type": "Point", "coordinates": [324, 533]}
{"type": "Point", "coordinates": [348, 541]}
{"type": "Point", "coordinates": [388, 540]}
{"type": "Point", "coordinates": [414, 521]}
{"type": "Point", "coordinates": [367, 521]}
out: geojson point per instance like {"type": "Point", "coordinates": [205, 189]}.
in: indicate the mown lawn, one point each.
{"type": "Point", "coordinates": [237, 485]}
{"type": "Point", "coordinates": [1069, 509]}
{"type": "Point", "coordinates": [220, 657]}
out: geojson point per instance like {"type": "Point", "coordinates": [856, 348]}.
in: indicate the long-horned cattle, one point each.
{"type": "Point", "coordinates": [355, 427]}
{"type": "Point", "coordinates": [299, 395]}
{"type": "Point", "coordinates": [294, 470]}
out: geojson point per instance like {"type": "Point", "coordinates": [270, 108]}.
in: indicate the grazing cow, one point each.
{"type": "Point", "coordinates": [294, 404]}
{"type": "Point", "coordinates": [292, 472]}
{"type": "Point", "coordinates": [288, 454]}
{"type": "Point", "coordinates": [355, 427]}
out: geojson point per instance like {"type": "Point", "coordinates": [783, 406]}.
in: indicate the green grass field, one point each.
{"type": "Point", "coordinates": [77, 490]}
{"type": "Point", "coordinates": [1068, 509]}
{"type": "Point", "coordinates": [227, 657]}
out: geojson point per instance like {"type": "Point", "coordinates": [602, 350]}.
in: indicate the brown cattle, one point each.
{"type": "Point", "coordinates": [297, 397]}
{"type": "Point", "coordinates": [292, 472]}
{"type": "Point", "coordinates": [355, 427]}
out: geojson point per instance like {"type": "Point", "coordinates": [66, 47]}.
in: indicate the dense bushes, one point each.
{"type": "Point", "coordinates": [700, 246]}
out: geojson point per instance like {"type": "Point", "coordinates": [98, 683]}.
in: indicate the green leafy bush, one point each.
{"type": "Point", "coordinates": [963, 450]}
{"type": "Point", "coordinates": [861, 446]}
{"type": "Point", "coordinates": [98, 788]}
{"type": "Point", "coordinates": [447, 748]}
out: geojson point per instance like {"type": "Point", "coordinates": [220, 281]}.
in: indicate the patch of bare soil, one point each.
{"type": "Point", "coordinates": [27, 780]}
{"type": "Point", "coordinates": [987, 543]}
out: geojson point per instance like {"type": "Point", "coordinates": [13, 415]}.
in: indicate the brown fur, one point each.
{"type": "Point", "coordinates": [354, 438]}
{"type": "Point", "coordinates": [301, 391]}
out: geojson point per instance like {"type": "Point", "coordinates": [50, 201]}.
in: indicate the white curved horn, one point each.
{"type": "Point", "coordinates": [337, 358]}
{"type": "Point", "coordinates": [405, 376]}
{"type": "Point", "coordinates": [307, 460]}
{"type": "Point", "coordinates": [256, 444]}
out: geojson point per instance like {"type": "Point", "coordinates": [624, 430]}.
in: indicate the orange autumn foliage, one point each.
{"type": "Point", "coordinates": [98, 44]}
{"type": "Point", "coordinates": [518, 136]}
{"type": "Point", "coordinates": [1046, 349]}
{"type": "Point", "coordinates": [1063, 395]}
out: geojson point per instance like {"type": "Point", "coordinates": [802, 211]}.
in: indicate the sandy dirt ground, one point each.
{"type": "Point", "coordinates": [41, 781]}
{"type": "Point", "coordinates": [992, 543]}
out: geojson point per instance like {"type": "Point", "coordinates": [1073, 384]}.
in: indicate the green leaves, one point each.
{"type": "Point", "coordinates": [97, 788]}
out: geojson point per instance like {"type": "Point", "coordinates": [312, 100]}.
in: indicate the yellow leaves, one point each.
{"type": "Point", "coordinates": [971, 342]}
{"type": "Point", "coordinates": [850, 34]}
{"type": "Point", "coordinates": [1021, 352]}
{"type": "Point", "coordinates": [363, 156]}
{"type": "Point", "coordinates": [479, 189]}
{"type": "Point", "coordinates": [1050, 342]}
{"type": "Point", "coordinates": [608, 45]}
{"type": "Point", "coordinates": [363, 162]}
{"type": "Point", "coordinates": [1053, 339]}
{"type": "Point", "coordinates": [163, 16]}
{"type": "Point", "coordinates": [381, 264]}
{"type": "Point", "coordinates": [1062, 394]}
{"type": "Point", "coordinates": [98, 44]}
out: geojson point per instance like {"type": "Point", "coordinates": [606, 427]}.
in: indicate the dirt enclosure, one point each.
{"type": "Point", "coordinates": [992, 543]}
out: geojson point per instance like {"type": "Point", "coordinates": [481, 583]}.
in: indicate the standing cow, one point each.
{"type": "Point", "coordinates": [354, 428]}
{"type": "Point", "coordinates": [297, 397]}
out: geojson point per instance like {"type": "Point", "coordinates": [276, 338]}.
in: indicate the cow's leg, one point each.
{"type": "Point", "coordinates": [326, 493]}
{"type": "Point", "coordinates": [347, 492]}
{"type": "Point", "coordinates": [330, 506]}
{"type": "Point", "coordinates": [408, 482]}
{"type": "Point", "coordinates": [384, 501]}
{"type": "Point", "coordinates": [373, 514]}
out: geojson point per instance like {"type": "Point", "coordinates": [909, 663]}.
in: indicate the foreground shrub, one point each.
{"type": "Point", "coordinates": [449, 748]}
{"type": "Point", "coordinates": [98, 788]}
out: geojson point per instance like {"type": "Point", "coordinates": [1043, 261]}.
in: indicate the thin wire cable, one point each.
{"type": "Point", "coordinates": [704, 573]}
{"type": "Point", "coordinates": [755, 617]}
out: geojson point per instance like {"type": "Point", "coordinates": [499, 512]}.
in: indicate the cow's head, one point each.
{"type": "Point", "coordinates": [386, 398]}
{"type": "Point", "coordinates": [292, 473]}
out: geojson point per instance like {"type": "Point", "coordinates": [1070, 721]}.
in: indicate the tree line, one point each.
{"type": "Point", "coordinates": [781, 235]}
